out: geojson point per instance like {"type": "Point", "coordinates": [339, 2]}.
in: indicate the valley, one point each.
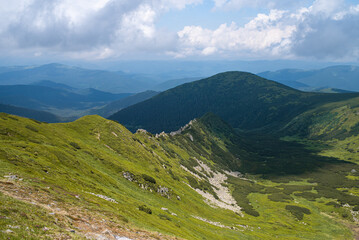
{"type": "Point", "coordinates": [93, 178]}
{"type": "Point", "coordinates": [179, 120]}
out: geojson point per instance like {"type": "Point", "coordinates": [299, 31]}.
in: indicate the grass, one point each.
{"type": "Point", "coordinates": [77, 168]}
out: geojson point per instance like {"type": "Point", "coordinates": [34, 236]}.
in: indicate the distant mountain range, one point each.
{"type": "Point", "coordinates": [116, 82]}
{"type": "Point", "coordinates": [174, 83]}
{"type": "Point", "coordinates": [117, 105]}
{"type": "Point", "coordinates": [244, 100]}
{"type": "Point", "coordinates": [52, 99]}
{"type": "Point", "coordinates": [30, 113]}
{"type": "Point", "coordinates": [341, 77]}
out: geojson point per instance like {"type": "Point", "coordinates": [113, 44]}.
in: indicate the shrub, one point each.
{"type": "Point", "coordinates": [334, 204]}
{"type": "Point", "coordinates": [297, 212]}
{"type": "Point", "coordinates": [280, 197]}
{"type": "Point", "coordinates": [164, 217]}
{"type": "Point", "coordinates": [174, 177]}
{"type": "Point", "coordinates": [75, 145]}
{"type": "Point", "coordinates": [145, 209]}
{"type": "Point", "coordinates": [148, 178]}
{"type": "Point", "coordinates": [308, 195]}
{"type": "Point", "coordinates": [249, 210]}
{"type": "Point", "coordinates": [31, 128]}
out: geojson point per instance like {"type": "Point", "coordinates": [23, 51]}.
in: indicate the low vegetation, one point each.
{"type": "Point", "coordinates": [81, 179]}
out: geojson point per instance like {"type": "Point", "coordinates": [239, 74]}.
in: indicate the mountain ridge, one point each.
{"type": "Point", "coordinates": [338, 76]}
{"type": "Point", "coordinates": [244, 100]}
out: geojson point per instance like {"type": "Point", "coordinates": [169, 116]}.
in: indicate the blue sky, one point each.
{"type": "Point", "coordinates": [104, 30]}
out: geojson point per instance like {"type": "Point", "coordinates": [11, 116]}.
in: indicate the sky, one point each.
{"type": "Point", "coordinates": [104, 30]}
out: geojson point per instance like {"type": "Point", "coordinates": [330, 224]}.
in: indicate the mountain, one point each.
{"type": "Point", "coordinates": [12, 69]}
{"type": "Point", "coordinates": [342, 77]}
{"type": "Point", "coordinates": [293, 84]}
{"type": "Point", "coordinates": [117, 105]}
{"type": "Point", "coordinates": [244, 100]}
{"type": "Point", "coordinates": [115, 82]}
{"type": "Point", "coordinates": [93, 178]}
{"type": "Point", "coordinates": [46, 83]}
{"type": "Point", "coordinates": [56, 100]}
{"type": "Point", "coordinates": [30, 113]}
{"type": "Point", "coordinates": [173, 83]}
{"type": "Point", "coordinates": [330, 90]}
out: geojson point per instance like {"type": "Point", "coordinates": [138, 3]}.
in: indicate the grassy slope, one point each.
{"type": "Point", "coordinates": [335, 126]}
{"type": "Point", "coordinates": [62, 164]}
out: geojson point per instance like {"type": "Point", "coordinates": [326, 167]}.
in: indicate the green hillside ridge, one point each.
{"type": "Point", "coordinates": [244, 100]}
{"type": "Point", "coordinates": [334, 126]}
{"type": "Point", "coordinates": [94, 178]}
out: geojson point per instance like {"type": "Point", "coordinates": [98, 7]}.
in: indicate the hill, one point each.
{"type": "Point", "coordinates": [94, 178]}
{"type": "Point", "coordinates": [342, 77]}
{"type": "Point", "coordinates": [115, 82]}
{"type": "Point", "coordinates": [244, 100]}
{"type": "Point", "coordinates": [29, 113]}
{"type": "Point", "coordinates": [117, 105]}
{"type": "Point", "coordinates": [58, 100]}
{"type": "Point", "coordinates": [331, 123]}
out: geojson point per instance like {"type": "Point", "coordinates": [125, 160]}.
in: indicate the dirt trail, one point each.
{"type": "Point", "coordinates": [83, 223]}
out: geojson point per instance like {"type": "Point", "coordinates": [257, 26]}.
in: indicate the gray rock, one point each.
{"type": "Point", "coordinates": [128, 176]}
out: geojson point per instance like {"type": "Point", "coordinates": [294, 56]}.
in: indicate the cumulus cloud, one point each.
{"type": "Point", "coordinates": [240, 4]}
{"type": "Point", "coordinates": [325, 30]}
{"type": "Point", "coordinates": [265, 34]}
{"type": "Point", "coordinates": [323, 36]}
{"type": "Point", "coordinates": [80, 28]}
{"type": "Point", "coordinates": [98, 29]}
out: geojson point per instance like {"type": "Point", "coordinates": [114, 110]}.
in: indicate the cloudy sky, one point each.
{"type": "Point", "coordinates": [325, 30]}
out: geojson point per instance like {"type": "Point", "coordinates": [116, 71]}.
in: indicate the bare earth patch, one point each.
{"type": "Point", "coordinates": [80, 222]}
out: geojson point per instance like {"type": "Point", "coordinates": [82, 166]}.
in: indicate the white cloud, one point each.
{"type": "Point", "coordinates": [327, 7]}
{"type": "Point", "coordinates": [325, 30]}
{"type": "Point", "coordinates": [270, 4]}
{"type": "Point", "coordinates": [97, 28]}
{"type": "Point", "coordinates": [265, 34]}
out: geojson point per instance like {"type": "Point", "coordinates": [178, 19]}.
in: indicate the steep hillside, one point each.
{"type": "Point", "coordinates": [341, 77]}
{"type": "Point", "coordinates": [30, 113]}
{"type": "Point", "coordinates": [333, 120]}
{"type": "Point", "coordinates": [244, 100]}
{"type": "Point", "coordinates": [334, 126]}
{"type": "Point", "coordinates": [94, 179]}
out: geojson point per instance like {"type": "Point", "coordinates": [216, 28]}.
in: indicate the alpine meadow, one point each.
{"type": "Point", "coordinates": [189, 119]}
